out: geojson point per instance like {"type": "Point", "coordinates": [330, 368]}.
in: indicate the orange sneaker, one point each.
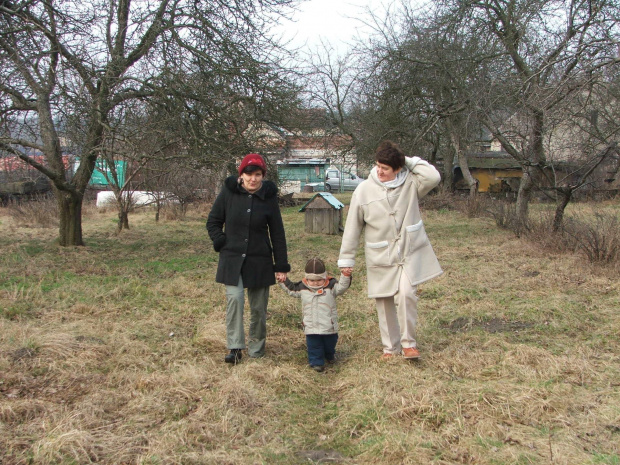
{"type": "Point", "coordinates": [411, 353]}
{"type": "Point", "coordinates": [385, 356]}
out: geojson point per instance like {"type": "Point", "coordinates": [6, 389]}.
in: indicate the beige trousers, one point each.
{"type": "Point", "coordinates": [398, 317]}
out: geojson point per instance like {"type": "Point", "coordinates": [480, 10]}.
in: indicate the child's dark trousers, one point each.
{"type": "Point", "coordinates": [321, 348]}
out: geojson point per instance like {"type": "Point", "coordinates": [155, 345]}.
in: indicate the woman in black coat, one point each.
{"type": "Point", "coordinates": [246, 228]}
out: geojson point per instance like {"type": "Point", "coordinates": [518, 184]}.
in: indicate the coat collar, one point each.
{"type": "Point", "coordinates": [267, 190]}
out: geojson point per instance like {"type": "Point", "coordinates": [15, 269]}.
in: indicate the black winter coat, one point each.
{"type": "Point", "coordinates": [247, 231]}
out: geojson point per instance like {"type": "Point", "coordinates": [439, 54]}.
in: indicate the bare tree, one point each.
{"type": "Point", "coordinates": [436, 76]}
{"type": "Point", "coordinates": [180, 185]}
{"type": "Point", "coordinates": [577, 151]}
{"type": "Point", "coordinates": [66, 58]}
{"type": "Point", "coordinates": [126, 149]}
{"type": "Point", "coordinates": [554, 48]}
{"type": "Point", "coordinates": [419, 83]}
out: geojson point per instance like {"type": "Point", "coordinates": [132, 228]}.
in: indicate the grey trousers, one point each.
{"type": "Point", "coordinates": [235, 334]}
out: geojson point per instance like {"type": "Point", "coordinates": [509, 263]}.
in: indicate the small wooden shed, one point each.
{"type": "Point", "coordinates": [323, 214]}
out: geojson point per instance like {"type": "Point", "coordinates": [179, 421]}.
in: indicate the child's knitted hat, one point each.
{"type": "Point", "coordinates": [315, 269]}
{"type": "Point", "coordinates": [315, 266]}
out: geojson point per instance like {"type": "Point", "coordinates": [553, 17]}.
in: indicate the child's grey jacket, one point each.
{"type": "Point", "coordinates": [319, 307]}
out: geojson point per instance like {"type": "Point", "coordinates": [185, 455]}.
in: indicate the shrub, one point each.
{"type": "Point", "coordinates": [596, 235]}
{"type": "Point", "coordinates": [598, 238]}
{"type": "Point", "coordinates": [173, 212]}
{"type": "Point", "coordinates": [442, 200]}
{"type": "Point", "coordinates": [505, 216]}
{"type": "Point", "coordinates": [540, 231]}
{"type": "Point", "coordinates": [41, 212]}
{"type": "Point", "coordinates": [476, 206]}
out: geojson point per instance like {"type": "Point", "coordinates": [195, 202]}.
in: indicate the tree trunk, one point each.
{"type": "Point", "coordinates": [524, 196]}
{"type": "Point", "coordinates": [448, 174]}
{"type": "Point", "coordinates": [472, 182]}
{"type": "Point", "coordinates": [69, 197]}
{"type": "Point", "coordinates": [70, 213]}
{"type": "Point", "coordinates": [455, 138]}
{"type": "Point", "coordinates": [564, 197]}
{"type": "Point", "coordinates": [123, 220]}
{"type": "Point", "coordinates": [157, 209]}
{"type": "Point", "coordinates": [536, 156]}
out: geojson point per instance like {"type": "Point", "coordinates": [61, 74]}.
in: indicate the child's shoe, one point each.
{"type": "Point", "coordinates": [318, 368]}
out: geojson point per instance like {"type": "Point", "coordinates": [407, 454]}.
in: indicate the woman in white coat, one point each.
{"type": "Point", "coordinates": [398, 253]}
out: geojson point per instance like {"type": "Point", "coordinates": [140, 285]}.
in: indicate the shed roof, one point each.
{"type": "Point", "coordinates": [329, 198]}
{"type": "Point", "coordinates": [491, 160]}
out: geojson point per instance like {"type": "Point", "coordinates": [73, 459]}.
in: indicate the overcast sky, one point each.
{"type": "Point", "coordinates": [336, 21]}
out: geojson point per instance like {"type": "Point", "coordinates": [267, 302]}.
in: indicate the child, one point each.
{"type": "Point", "coordinates": [318, 294]}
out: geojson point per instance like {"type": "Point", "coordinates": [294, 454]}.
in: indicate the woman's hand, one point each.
{"type": "Point", "coordinates": [346, 271]}
{"type": "Point", "coordinates": [280, 277]}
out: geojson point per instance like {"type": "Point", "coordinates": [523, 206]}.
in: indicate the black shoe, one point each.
{"type": "Point", "coordinates": [233, 357]}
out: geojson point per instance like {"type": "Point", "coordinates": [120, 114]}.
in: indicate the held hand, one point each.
{"type": "Point", "coordinates": [346, 271]}
{"type": "Point", "coordinates": [280, 277]}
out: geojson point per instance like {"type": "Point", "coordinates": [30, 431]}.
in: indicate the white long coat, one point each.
{"type": "Point", "coordinates": [394, 234]}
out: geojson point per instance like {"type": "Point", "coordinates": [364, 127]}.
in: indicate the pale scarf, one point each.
{"type": "Point", "coordinates": [397, 181]}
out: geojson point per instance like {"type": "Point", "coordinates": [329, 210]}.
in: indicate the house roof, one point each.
{"type": "Point", "coordinates": [329, 198]}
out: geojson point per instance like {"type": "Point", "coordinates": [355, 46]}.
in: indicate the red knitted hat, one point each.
{"type": "Point", "coordinates": [253, 159]}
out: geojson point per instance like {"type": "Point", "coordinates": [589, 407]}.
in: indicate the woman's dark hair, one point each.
{"type": "Point", "coordinates": [251, 168]}
{"type": "Point", "coordinates": [389, 153]}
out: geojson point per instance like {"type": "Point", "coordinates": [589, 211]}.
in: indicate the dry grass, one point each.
{"type": "Point", "coordinates": [589, 229]}
{"type": "Point", "coordinates": [41, 212]}
{"type": "Point", "coordinates": [113, 353]}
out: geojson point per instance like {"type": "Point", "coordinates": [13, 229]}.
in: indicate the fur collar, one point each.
{"type": "Point", "coordinates": [267, 191]}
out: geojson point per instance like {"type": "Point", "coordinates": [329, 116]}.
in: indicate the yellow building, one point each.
{"type": "Point", "coordinates": [495, 172]}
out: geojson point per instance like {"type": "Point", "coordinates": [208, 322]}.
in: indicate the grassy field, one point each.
{"type": "Point", "coordinates": [113, 354]}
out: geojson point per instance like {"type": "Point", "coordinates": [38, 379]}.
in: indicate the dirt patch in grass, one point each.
{"type": "Point", "coordinates": [23, 353]}
{"type": "Point", "coordinates": [320, 456]}
{"type": "Point", "coordinates": [493, 325]}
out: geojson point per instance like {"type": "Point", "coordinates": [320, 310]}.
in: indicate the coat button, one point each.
{"type": "Point", "coordinates": [246, 240]}
{"type": "Point", "coordinates": [243, 255]}
{"type": "Point", "coordinates": [249, 210]}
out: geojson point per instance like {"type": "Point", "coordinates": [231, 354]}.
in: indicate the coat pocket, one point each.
{"type": "Point", "coordinates": [416, 237]}
{"type": "Point", "coordinates": [377, 253]}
